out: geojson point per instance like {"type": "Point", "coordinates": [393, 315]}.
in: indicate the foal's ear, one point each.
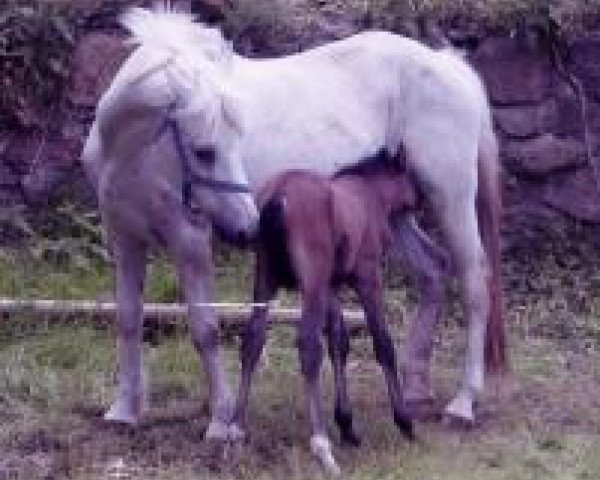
{"type": "Point", "coordinates": [230, 108]}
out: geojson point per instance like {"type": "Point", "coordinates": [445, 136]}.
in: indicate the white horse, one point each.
{"type": "Point", "coordinates": [183, 90]}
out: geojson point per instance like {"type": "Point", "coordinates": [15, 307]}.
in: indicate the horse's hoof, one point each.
{"type": "Point", "coordinates": [321, 449]}
{"type": "Point", "coordinates": [418, 394]}
{"type": "Point", "coordinates": [118, 413]}
{"type": "Point", "coordinates": [417, 387]}
{"type": "Point", "coordinates": [457, 423]}
{"type": "Point", "coordinates": [459, 413]}
{"type": "Point", "coordinates": [237, 434]}
{"type": "Point", "coordinates": [217, 431]}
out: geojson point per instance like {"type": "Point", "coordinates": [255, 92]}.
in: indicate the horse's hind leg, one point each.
{"type": "Point", "coordinates": [130, 259]}
{"type": "Point", "coordinates": [192, 256]}
{"type": "Point", "coordinates": [369, 288]}
{"type": "Point", "coordinates": [429, 272]}
{"type": "Point", "coordinates": [253, 342]}
{"type": "Point", "coordinates": [447, 169]}
{"type": "Point", "coordinates": [454, 204]}
{"type": "Point", "coordinates": [339, 348]}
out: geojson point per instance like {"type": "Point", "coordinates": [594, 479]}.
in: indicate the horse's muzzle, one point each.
{"type": "Point", "coordinates": [238, 238]}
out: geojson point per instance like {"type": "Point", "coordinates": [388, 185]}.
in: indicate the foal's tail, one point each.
{"type": "Point", "coordinates": [489, 205]}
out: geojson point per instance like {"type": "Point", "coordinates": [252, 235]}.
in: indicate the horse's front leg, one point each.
{"type": "Point", "coordinates": [310, 329]}
{"type": "Point", "coordinates": [339, 347]}
{"type": "Point", "coordinates": [194, 264]}
{"type": "Point", "coordinates": [130, 260]}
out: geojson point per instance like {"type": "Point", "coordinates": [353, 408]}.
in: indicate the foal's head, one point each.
{"type": "Point", "coordinates": [387, 179]}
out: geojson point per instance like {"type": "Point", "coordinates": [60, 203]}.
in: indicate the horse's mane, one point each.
{"type": "Point", "coordinates": [174, 31]}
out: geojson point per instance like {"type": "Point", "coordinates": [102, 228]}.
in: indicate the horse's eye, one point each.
{"type": "Point", "coordinates": [205, 156]}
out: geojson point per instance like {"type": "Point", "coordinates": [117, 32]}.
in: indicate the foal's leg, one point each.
{"type": "Point", "coordinates": [193, 259]}
{"type": "Point", "coordinates": [311, 325]}
{"type": "Point", "coordinates": [253, 342]}
{"type": "Point", "coordinates": [130, 260]}
{"type": "Point", "coordinates": [370, 290]}
{"type": "Point", "coordinates": [429, 274]}
{"type": "Point", "coordinates": [339, 348]}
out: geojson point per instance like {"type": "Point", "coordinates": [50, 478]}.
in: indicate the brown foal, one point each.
{"type": "Point", "coordinates": [317, 234]}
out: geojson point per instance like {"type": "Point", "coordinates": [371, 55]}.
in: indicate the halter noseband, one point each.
{"type": "Point", "coordinates": [189, 178]}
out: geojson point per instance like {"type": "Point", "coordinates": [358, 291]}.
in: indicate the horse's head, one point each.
{"type": "Point", "coordinates": [214, 180]}
{"type": "Point", "coordinates": [178, 77]}
{"type": "Point", "coordinates": [206, 127]}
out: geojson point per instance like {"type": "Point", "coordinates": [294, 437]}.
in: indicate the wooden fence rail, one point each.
{"type": "Point", "coordinates": [230, 314]}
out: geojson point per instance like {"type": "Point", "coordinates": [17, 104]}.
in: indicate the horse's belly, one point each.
{"type": "Point", "coordinates": [326, 160]}
{"type": "Point", "coordinates": [323, 145]}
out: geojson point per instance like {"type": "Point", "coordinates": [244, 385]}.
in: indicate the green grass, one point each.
{"type": "Point", "coordinates": [23, 276]}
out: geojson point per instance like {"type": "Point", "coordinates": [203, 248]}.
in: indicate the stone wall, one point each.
{"type": "Point", "coordinates": [539, 121]}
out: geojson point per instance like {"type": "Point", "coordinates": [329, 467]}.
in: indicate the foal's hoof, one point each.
{"type": "Point", "coordinates": [404, 422]}
{"type": "Point", "coordinates": [321, 449]}
{"type": "Point", "coordinates": [344, 422]}
{"type": "Point", "coordinates": [350, 438]}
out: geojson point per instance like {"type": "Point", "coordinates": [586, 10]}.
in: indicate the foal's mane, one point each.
{"type": "Point", "coordinates": [382, 161]}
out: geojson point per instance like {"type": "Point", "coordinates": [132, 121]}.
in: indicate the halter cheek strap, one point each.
{"type": "Point", "coordinates": [191, 179]}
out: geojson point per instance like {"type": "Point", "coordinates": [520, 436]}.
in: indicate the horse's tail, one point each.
{"type": "Point", "coordinates": [273, 238]}
{"type": "Point", "coordinates": [489, 213]}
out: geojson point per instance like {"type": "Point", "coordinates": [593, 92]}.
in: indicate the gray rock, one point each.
{"type": "Point", "coordinates": [95, 62]}
{"type": "Point", "coordinates": [585, 54]}
{"type": "Point", "coordinates": [565, 116]}
{"type": "Point", "coordinates": [575, 194]}
{"type": "Point", "coordinates": [544, 155]}
{"type": "Point", "coordinates": [520, 122]}
{"type": "Point", "coordinates": [514, 76]}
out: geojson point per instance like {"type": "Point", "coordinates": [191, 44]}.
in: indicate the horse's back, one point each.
{"type": "Point", "coordinates": [328, 107]}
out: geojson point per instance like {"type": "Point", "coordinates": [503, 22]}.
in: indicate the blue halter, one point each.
{"type": "Point", "coordinates": [191, 179]}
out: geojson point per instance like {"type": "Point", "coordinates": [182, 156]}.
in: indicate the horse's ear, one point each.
{"type": "Point", "coordinates": [230, 106]}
